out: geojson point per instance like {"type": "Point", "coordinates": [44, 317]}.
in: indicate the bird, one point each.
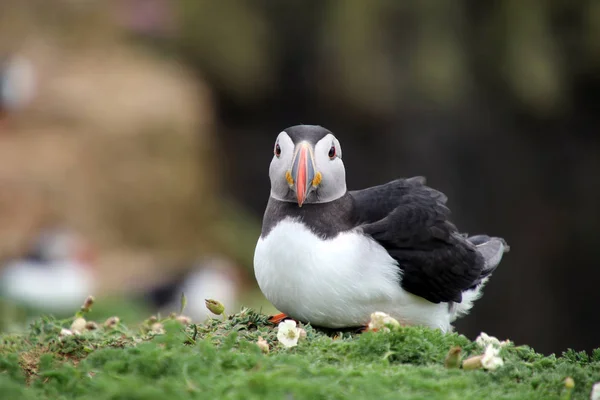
{"type": "Point", "coordinates": [212, 277]}
{"type": "Point", "coordinates": [55, 275]}
{"type": "Point", "coordinates": [331, 257]}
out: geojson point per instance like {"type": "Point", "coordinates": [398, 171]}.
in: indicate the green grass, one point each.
{"type": "Point", "coordinates": [220, 360]}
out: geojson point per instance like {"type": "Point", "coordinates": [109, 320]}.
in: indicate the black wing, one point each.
{"type": "Point", "coordinates": [411, 221]}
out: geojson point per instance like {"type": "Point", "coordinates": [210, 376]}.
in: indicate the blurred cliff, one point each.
{"type": "Point", "coordinates": [153, 126]}
{"type": "Point", "coordinates": [117, 143]}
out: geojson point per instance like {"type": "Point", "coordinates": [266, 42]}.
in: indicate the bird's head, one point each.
{"type": "Point", "coordinates": [60, 245]}
{"type": "Point", "coordinates": [307, 166]}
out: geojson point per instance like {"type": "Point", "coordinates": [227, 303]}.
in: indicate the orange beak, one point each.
{"type": "Point", "coordinates": [303, 172]}
{"type": "Point", "coordinates": [86, 255]}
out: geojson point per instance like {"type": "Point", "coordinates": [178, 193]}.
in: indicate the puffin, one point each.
{"type": "Point", "coordinates": [331, 257]}
{"type": "Point", "coordinates": [55, 275]}
{"type": "Point", "coordinates": [213, 277]}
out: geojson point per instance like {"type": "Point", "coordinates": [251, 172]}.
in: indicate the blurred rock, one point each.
{"type": "Point", "coordinates": [117, 142]}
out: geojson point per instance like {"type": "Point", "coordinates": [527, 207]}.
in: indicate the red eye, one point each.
{"type": "Point", "coordinates": [332, 152]}
{"type": "Point", "coordinates": [277, 150]}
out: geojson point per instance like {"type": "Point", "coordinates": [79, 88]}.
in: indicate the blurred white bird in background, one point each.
{"type": "Point", "coordinates": [210, 278]}
{"type": "Point", "coordinates": [55, 275]}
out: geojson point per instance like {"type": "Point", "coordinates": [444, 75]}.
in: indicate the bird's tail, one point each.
{"type": "Point", "coordinates": [492, 249]}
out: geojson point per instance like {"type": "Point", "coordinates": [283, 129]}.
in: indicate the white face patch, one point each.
{"type": "Point", "coordinates": [280, 164]}
{"type": "Point", "coordinates": [286, 147]}
{"type": "Point", "coordinates": [332, 184]}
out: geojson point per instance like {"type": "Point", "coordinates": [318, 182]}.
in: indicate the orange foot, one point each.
{"type": "Point", "coordinates": [277, 318]}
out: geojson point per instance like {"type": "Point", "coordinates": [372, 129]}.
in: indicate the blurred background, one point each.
{"type": "Point", "coordinates": [136, 135]}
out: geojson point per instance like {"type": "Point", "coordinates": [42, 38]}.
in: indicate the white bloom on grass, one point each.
{"type": "Point", "coordinates": [381, 321]}
{"type": "Point", "coordinates": [595, 395]}
{"type": "Point", "coordinates": [288, 333]}
{"type": "Point", "coordinates": [65, 332]}
{"type": "Point", "coordinates": [483, 340]}
{"type": "Point", "coordinates": [78, 325]}
{"type": "Point", "coordinates": [302, 333]}
{"type": "Point", "coordinates": [490, 359]}
{"type": "Point", "coordinates": [157, 328]}
{"type": "Point", "coordinates": [263, 345]}
{"type": "Point", "coordinates": [184, 319]}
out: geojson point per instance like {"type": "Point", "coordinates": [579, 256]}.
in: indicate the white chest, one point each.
{"type": "Point", "coordinates": [334, 283]}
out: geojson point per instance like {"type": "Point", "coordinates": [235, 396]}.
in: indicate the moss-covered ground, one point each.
{"type": "Point", "coordinates": [221, 360]}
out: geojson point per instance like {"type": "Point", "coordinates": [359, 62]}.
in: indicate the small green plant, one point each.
{"type": "Point", "coordinates": [240, 357]}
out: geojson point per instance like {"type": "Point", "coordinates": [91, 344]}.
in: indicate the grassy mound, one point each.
{"type": "Point", "coordinates": [220, 359]}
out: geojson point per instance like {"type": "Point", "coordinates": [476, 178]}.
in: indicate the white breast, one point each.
{"type": "Point", "coordinates": [337, 282]}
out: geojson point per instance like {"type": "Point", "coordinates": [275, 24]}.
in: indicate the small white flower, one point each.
{"type": "Point", "coordinates": [157, 328]}
{"type": "Point", "coordinates": [301, 333]}
{"type": "Point", "coordinates": [490, 359]}
{"type": "Point", "coordinates": [184, 319]}
{"type": "Point", "coordinates": [380, 321]}
{"type": "Point", "coordinates": [287, 333]}
{"type": "Point", "coordinates": [263, 345]}
{"type": "Point", "coordinates": [483, 340]}
{"type": "Point", "coordinates": [65, 332]}
{"type": "Point", "coordinates": [595, 395]}
{"type": "Point", "coordinates": [78, 325]}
